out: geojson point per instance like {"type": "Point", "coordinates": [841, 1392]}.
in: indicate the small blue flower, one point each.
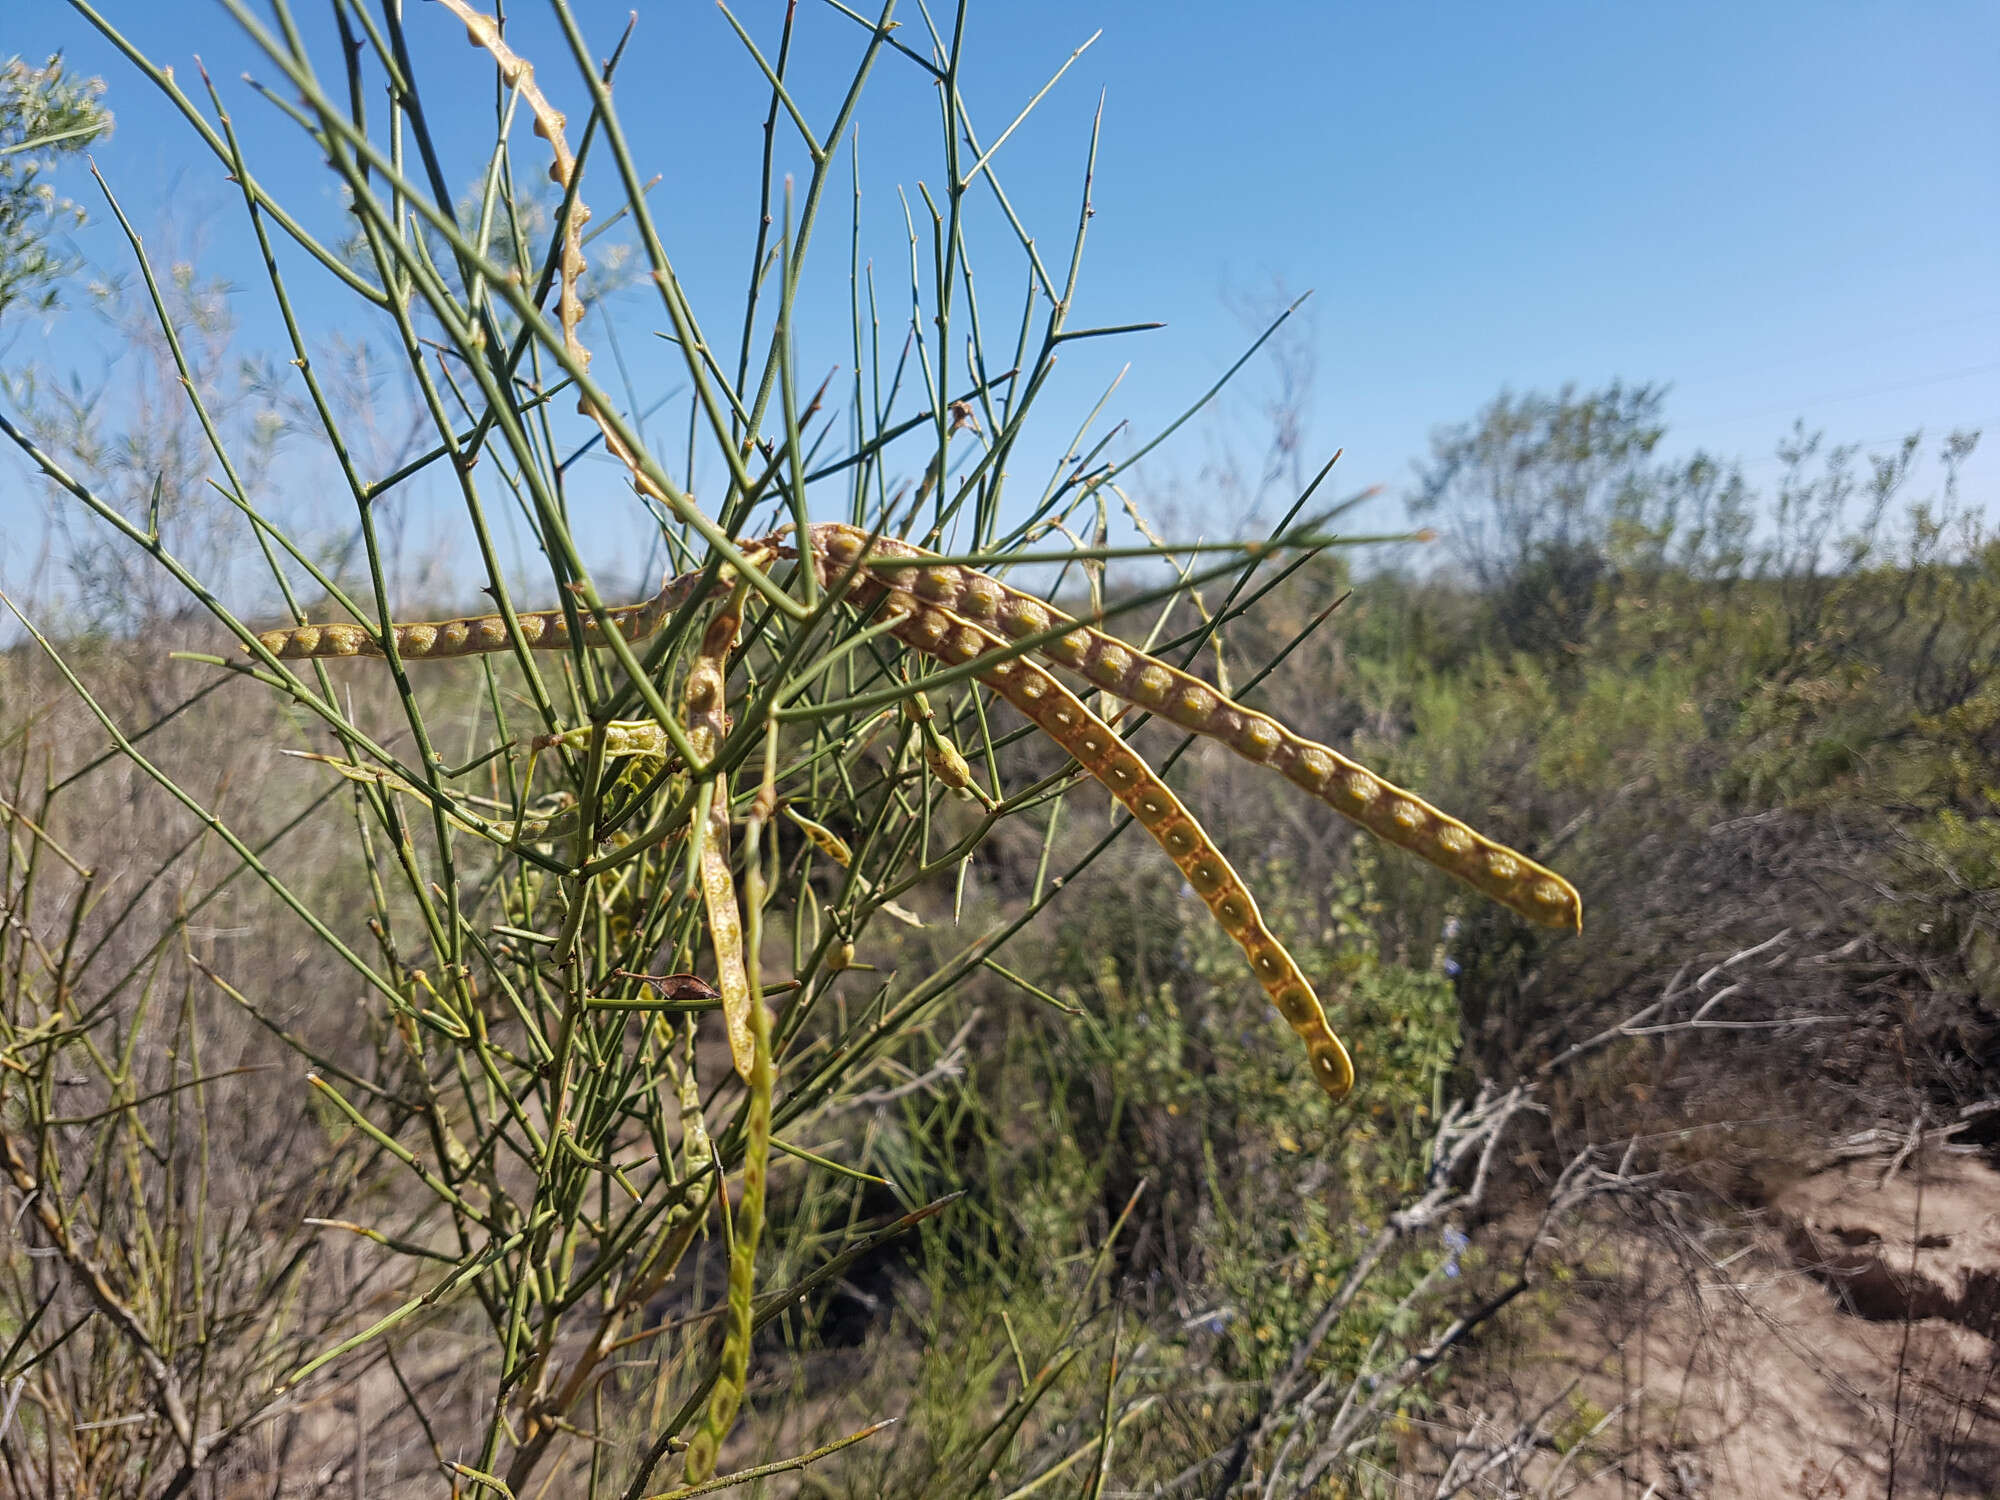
{"type": "Point", "coordinates": [1452, 969]}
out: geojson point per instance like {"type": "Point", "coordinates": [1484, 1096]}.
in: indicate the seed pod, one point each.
{"type": "Point", "coordinates": [621, 737]}
{"type": "Point", "coordinates": [479, 635]}
{"type": "Point", "coordinates": [1063, 717]}
{"type": "Point", "coordinates": [733, 1369]}
{"type": "Point", "coordinates": [706, 726]}
{"type": "Point", "coordinates": [948, 592]}
{"type": "Point", "coordinates": [560, 824]}
{"type": "Point", "coordinates": [958, 615]}
{"type": "Point", "coordinates": [643, 747]}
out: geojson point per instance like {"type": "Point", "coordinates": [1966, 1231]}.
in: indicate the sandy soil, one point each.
{"type": "Point", "coordinates": [1838, 1346]}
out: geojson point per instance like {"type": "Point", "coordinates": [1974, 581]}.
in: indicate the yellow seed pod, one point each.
{"type": "Point", "coordinates": [477, 635]}
{"type": "Point", "coordinates": [959, 594]}
{"type": "Point", "coordinates": [956, 615]}
{"type": "Point", "coordinates": [1063, 717]}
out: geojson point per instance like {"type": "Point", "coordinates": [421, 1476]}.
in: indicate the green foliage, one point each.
{"type": "Point", "coordinates": [1296, 1194]}
{"type": "Point", "coordinates": [1546, 500]}
{"type": "Point", "coordinates": [1259, 1198]}
{"type": "Point", "coordinates": [1835, 687]}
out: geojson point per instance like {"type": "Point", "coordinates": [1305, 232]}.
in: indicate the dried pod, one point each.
{"type": "Point", "coordinates": [706, 726]}
{"type": "Point", "coordinates": [1063, 717]}
{"type": "Point", "coordinates": [947, 595]}
{"type": "Point", "coordinates": [479, 635]}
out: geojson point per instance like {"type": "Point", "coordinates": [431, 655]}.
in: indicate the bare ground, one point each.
{"type": "Point", "coordinates": [1838, 1344]}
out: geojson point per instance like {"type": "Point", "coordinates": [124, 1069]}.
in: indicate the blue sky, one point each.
{"type": "Point", "coordinates": [1786, 210]}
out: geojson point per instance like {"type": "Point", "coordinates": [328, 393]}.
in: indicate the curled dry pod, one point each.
{"type": "Point", "coordinates": [560, 824]}
{"type": "Point", "coordinates": [643, 754]}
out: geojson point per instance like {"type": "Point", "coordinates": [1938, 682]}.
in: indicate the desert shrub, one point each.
{"type": "Point", "coordinates": [498, 899]}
